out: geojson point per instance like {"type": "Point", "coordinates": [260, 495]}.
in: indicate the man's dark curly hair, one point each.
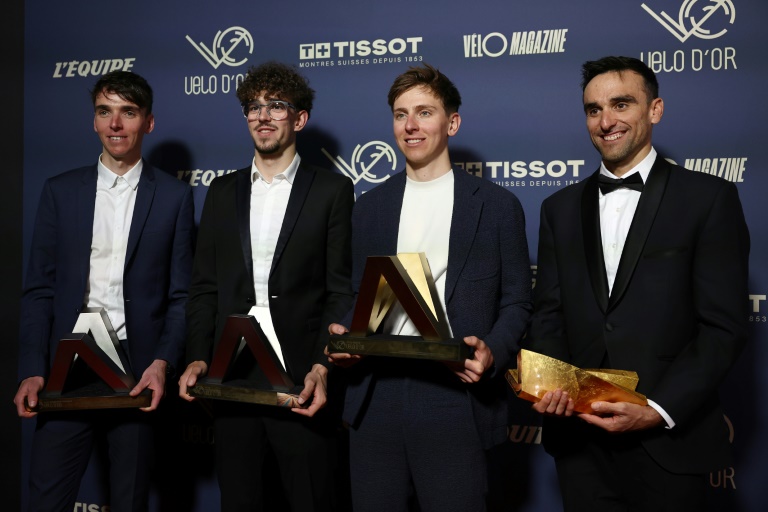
{"type": "Point", "coordinates": [278, 81]}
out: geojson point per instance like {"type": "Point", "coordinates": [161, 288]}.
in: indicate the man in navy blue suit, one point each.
{"type": "Point", "coordinates": [118, 235]}
{"type": "Point", "coordinates": [421, 427]}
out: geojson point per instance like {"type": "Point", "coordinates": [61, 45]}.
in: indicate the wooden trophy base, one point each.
{"type": "Point", "coordinates": [240, 390]}
{"type": "Point", "coordinates": [96, 395]}
{"type": "Point", "coordinates": [409, 347]}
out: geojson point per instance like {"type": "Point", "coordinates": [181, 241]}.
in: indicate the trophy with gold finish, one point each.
{"type": "Point", "coordinates": [407, 279]}
{"type": "Point", "coordinates": [536, 374]}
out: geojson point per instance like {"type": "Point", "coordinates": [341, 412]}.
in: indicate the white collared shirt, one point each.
{"type": "Point", "coordinates": [269, 202]}
{"type": "Point", "coordinates": [113, 212]}
{"type": "Point", "coordinates": [617, 210]}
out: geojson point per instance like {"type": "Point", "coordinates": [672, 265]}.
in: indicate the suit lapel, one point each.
{"type": "Point", "coordinates": [464, 221]}
{"type": "Point", "coordinates": [650, 199]}
{"type": "Point", "coordinates": [243, 212]}
{"type": "Point", "coordinates": [593, 247]}
{"type": "Point", "coordinates": [391, 208]}
{"type": "Point", "coordinates": [86, 207]}
{"type": "Point", "coordinates": [144, 197]}
{"type": "Point", "coordinates": [299, 191]}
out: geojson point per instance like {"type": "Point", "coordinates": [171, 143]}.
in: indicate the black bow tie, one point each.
{"type": "Point", "coordinates": [608, 185]}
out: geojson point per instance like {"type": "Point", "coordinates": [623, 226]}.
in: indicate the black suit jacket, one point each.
{"type": "Point", "coordinates": [309, 284]}
{"type": "Point", "coordinates": [677, 314]}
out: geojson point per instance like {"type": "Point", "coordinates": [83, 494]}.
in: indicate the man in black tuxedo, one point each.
{"type": "Point", "coordinates": [646, 274]}
{"type": "Point", "coordinates": [274, 236]}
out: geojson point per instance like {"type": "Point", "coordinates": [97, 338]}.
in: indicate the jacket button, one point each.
{"type": "Point", "coordinates": [609, 327]}
{"type": "Point", "coordinates": [249, 300]}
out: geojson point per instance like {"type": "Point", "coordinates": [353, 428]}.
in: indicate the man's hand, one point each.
{"type": "Point", "coordinates": [154, 379]}
{"type": "Point", "coordinates": [315, 386]}
{"type": "Point", "coordinates": [195, 370]}
{"type": "Point", "coordinates": [472, 370]}
{"type": "Point", "coordinates": [555, 403]}
{"type": "Point", "coordinates": [341, 359]}
{"type": "Point", "coordinates": [623, 417]}
{"type": "Point", "coordinates": [28, 389]}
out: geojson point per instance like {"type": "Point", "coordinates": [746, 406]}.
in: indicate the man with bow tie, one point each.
{"type": "Point", "coordinates": [643, 267]}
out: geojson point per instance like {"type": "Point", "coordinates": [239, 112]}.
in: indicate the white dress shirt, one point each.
{"type": "Point", "coordinates": [269, 201]}
{"type": "Point", "coordinates": [617, 209]}
{"type": "Point", "coordinates": [115, 201]}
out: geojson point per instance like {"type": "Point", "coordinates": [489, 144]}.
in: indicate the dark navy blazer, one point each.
{"type": "Point", "coordinates": [158, 266]}
{"type": "Point", "coordinates": [488, 282]}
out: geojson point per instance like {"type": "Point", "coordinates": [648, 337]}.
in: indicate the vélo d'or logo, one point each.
{"type": "Point", "coordinates": [365, 158]}
{"type": "Point", "coordinates": [230, 47]}
{"type": "Point", "coordinates": [692, 22]}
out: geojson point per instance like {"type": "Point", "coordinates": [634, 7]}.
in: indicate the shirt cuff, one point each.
{"type": "Point", "coordinates": [667, 417]}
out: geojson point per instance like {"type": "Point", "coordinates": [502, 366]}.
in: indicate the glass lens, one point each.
{"type": "Point", "coordinates": [277, 110]}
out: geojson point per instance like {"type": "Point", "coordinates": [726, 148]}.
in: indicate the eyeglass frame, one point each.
{"type": "Point", "coordinates": [269, 110]}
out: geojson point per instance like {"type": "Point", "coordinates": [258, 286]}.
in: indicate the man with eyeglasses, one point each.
{"type": "Point", "coordinates": [274, 235]}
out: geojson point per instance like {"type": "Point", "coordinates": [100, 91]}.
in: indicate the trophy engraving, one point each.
{"type": "Point", "coordinates": [243, 346]}
{"type": "Point", "coordinates": [407, 279]}
{"type": "Point", "coordinates": [90, 370]}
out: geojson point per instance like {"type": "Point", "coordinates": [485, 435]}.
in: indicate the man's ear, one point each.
{"type": "Point", "coordinates": [302, 116]}
{"type": "Point", "coordinates": [454, 121]}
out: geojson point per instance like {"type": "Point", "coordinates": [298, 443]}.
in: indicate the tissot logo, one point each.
{"type": "Point", "coordinates": [362, 52]}
{"type": "Point", "coordinates": [230, 47]}
{"type": "Point", "coordinates": [374, 156]}
{"type": "Point", "coordinates": [536, 173]}
{"type": "Point", "coordinates": [705, 19]}
{"type": "Point", "coordinates": [757, 312]}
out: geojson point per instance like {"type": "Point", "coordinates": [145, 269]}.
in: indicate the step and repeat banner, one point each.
{"type": "Point", "coordinates": [517, 66]}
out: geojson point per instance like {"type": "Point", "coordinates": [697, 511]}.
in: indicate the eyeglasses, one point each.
{"type": "Point", "coordinates": [277, 110]}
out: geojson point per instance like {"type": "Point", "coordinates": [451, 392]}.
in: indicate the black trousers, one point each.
{"type": "Point", "coordinates": [304, 449]}
{"type": "Point", "coordinates": [615, 473]}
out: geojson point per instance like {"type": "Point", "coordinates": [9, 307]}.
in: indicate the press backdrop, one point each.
{"type": "Point", "coordinates": [516, 65]}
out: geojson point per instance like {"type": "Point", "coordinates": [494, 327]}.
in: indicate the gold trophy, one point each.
{"type": "Point", "coordinates": [407, 279]}
{"type": "Point", "coordinates": [536, 374]}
